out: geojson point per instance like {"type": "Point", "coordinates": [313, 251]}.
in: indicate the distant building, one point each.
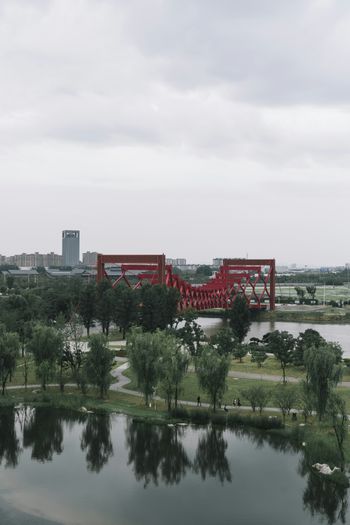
{"type": "Point", "coordinates": [27, 274]}
{"type": "Point", "coordinates": [90, 258]}
{"type": "Point", "coordinates": [218, 262]}
{"type": "Point", "coordinates": [33, 260]}
{"type": "Point", "coordinates": [176, 262]}
{"type": "Point", "coordinates": [70, 247]}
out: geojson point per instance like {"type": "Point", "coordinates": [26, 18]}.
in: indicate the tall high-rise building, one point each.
{"type": "Point", "coordinates": [70, 247]}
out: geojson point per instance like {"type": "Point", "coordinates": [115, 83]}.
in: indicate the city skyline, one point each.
{"type": "Point", "coordinates": [185, 131]}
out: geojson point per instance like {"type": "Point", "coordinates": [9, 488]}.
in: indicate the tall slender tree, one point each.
{"type": "Point", "coordinates": [212, 370]}
{"type": "Point", "coordinates": [323, 375]}
{"type": "Point", "coordinates": [239, 318]}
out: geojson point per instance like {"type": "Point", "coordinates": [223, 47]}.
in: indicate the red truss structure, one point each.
{"type": "Point", "coordinates": [253, 278]}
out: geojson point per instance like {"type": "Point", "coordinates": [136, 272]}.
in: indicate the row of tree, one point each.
{"type": "Point", "coordinates": [56, 350]}
{"type": "Point", "coordinates": [151, 307]}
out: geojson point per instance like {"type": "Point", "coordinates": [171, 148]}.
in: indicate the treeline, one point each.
{"type": "Point", "coordinates": [151, 307]}
{"type": "Point", "coordinates": [321, 278]}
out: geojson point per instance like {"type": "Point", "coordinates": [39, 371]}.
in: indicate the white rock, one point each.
{"type": "Point", "coordinates": [323, 468]}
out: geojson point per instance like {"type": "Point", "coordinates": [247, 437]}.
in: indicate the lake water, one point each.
{"type": "Point", "coordinates": [331, 332]}
{"type": "Point", "coordinates": [65, 468]}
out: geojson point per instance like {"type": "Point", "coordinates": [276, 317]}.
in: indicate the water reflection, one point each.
{"type": "Point", "coordinates": [156, 452]}
{"type": "Point", "coordinates": [322, 495]}
{"type": "Point", "coordinates": [44, 433]}
{"type": "Point", "coordinates": [325, 498]}
{"type": "Point", "coordinates": [211, 457]}
{"type": "Point", "coordinates": [96, 440]}
{"type": "Point", "coordinates": [175, 456]}
{"type": "Point", "coordinates": [9, 442]}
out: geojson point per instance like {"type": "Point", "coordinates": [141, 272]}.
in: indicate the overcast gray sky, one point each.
{"type": "Point", "coordinates": [193, 128]}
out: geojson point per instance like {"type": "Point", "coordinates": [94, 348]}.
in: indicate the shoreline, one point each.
{"type": "Point", "coordinates": [298, 316]}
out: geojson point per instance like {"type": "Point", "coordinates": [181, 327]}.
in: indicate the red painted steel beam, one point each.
{"type": "Point", "coordinates": [234, 276]}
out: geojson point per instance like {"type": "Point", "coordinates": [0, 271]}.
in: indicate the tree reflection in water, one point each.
{"type": "Point", "coordinates": [9, 442]}
{"type": "Point", "coordinates": [322, 495]}
{"type": "Point", "coordinates": [156, 452]}
{"type": "Point", "coordinates": [96, 440]}
{"type": "Point", "coordinates": [211, 457]}
{"type": "Point", "coordinates": [44, 433]}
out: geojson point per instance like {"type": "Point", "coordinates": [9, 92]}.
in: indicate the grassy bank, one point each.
{"type": "Point", "coordinates": [317, 440]}
{"type": "Point", "coordinates": [297, 313]}
{"type": "Point", "coordinates": [235, 387]}
{"type": "Point", "coordinates": [306, 314]}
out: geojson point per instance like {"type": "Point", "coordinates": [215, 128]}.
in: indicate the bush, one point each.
{"type": "Point", "coordinates": [219, 419]}
{"type": "Point", "coordinates": [179, 413]}
{"type": "Point", "coordinates": [266, 423]}
{"type": "Point", "coordinates": [200, 417]}
{"type": "Point", "coordinates": [231, 420]}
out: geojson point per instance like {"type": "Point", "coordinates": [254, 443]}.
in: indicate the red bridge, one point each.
{"type": "Point", "coordinates": [253, 278]}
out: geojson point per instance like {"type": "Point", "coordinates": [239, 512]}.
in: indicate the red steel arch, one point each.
{"type": "Point", "coordinates": [255, 279]}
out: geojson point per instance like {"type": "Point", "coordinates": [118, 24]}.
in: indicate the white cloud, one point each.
{"type": "Point", "coordinates": [223, 116]}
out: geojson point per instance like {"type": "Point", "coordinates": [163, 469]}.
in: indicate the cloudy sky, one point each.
{"type": "Point", "coordinates": [193, 128]}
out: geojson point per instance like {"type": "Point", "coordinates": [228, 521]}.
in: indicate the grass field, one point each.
{"type": "Point", "coordinates": [18, 376]}
{"type": "Point", "coordinates": [235, 387]}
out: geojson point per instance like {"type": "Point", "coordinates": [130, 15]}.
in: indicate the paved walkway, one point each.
{"type": "Point", "coordinates": [122, 381]}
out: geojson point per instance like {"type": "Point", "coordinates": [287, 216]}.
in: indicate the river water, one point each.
{"type": "Point", "coordinates": [59, 467]}
{"type": "Point", "coordinates": [331, 332]}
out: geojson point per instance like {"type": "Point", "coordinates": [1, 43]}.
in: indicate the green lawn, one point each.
{"type": "Point", "coordinates": [18, 376]}
{"type": "Point", "coordinates": [270, 367]}
{"type": "Point", "coordinates": [190, 389]}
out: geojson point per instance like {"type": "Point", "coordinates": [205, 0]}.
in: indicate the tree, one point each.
{"type": "Point", "coordinates": [99, 363]}
{"type": "Point", "coordinates": [73, 355]}
{"type": "Point", "coordinates": [257, 395]}
{"type": "Point", "coordinates": [212, 370]}
{"type": "Point", "coordinates": [239, 318]}
{"type": "Point", "coordinates": [190, 332]}
{"type": "Point", "coordinates": [153, 309]}
{"type": "Point", "coordinates": [144, 351]}
{"type": "Point", "coordinates": [308, 338]}
{"type": "Point", "coordinates": [224, 341]}
{"type": "Point", "coordinates": [336, 411]}
{"type": "Point", "coordinates": [9, 350]}
{"type": "Point", "coordinates": [126, 308]}
{"type": "Point", "coordinates": [311, 290]}
{"type": "Point", "coordinates": [87, 306]}
{"type": "Point", "coordinates": [281, 344]}
{"type": "Point", "coordinates": [204, 271]}
{"type": "Point", "coordinates": [174, 364]}
{"type": "Point", "coordinates": [285, 398]}
{"type": "Point", "coordinates": [300, 293]}
{"type": "Point", "coordinates": [257, 351]}
{"type": "Point", "coordinates": [323, 374]}
{"type": "Point", "coordinates": [46, 346]}
{"type": "Point", "coordinates": [306, 399]}
{"type": "Point", "coordinates": [240, 351]}
{"type": "Point", "coordinates": [171, 305]}
{"type": "Point", "coordinates": [337, 350]}
{"type": "Point", "coordinates": [105, 304]}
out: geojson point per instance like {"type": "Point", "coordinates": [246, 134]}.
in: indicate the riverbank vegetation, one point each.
{"type": "Point", "coordinates": [41, 339]}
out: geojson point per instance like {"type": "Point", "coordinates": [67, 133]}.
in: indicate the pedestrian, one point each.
{"type": "Point", "coordinates": [238, 402]}
{"type": "Point", "coordinates": [234, 402]}
{"type": "Point", "coordinates": [199, 404]}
